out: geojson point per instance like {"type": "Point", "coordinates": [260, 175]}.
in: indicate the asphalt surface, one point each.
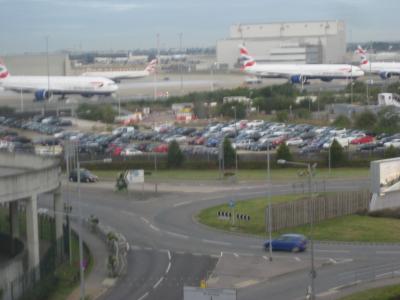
{"type": "Point", "coordinates": [169, 249]}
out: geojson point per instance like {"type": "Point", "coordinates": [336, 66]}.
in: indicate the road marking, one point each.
{"type": "Point", "coordinates": [327, 293]}
{"type": "Point", "coordinates": [144, 296]}
{"type": "Point", "coordinates": [182, 203]}
{"type": "Point", "coordinates": [158, 283]}
{"type": "Point", "coordinates": [169, 255]}
{"type": "Point", "coordinates": [383, 275]}
{"type": "Point", "coordinates": [246, 283]}
{"type": "Point", "coordinates": [128, 213]}
{"type": "Point", "coordinates": [332, 251]}
{"type": "Point", "coordinates": [387, 252]}
{"type": "Point", "coordinates": [134, 247]}
{"type": "Point", "coordinates": [297, 258]}
{"type": "Point", "coordinates": [266, 258]}
{"type": "Point", "coordinates": [148, 248]}
{"type": "Point", "coordinates": [145, 220]}
{"type": "Point", "coordinates": [255, 247]}
{"type": "Point", "coordinates": [182, 236]}
{"type": "Point", "coordinates": [216, 242]}
{"type": "Point", "coordinates": [333, 261]}
{"type": "Point", "coordinates": [197, 254]}
{"type": "Point", "coordinates": [169, 267]}
{"type": "Point", "coordinates": [154, 227]}
{"type": "Point", "coordinates": [236, 255]}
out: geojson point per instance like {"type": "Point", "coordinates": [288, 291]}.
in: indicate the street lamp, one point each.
{"type": "Point", "coordinates": [236, 156]}
{"type": "Point", "coordinates": [313, 274]}
{"type": "Point", "coordinates": [269, 202]}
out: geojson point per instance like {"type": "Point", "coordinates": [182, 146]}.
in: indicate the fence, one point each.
{"type": "Point", "coordinates": [320, 208]}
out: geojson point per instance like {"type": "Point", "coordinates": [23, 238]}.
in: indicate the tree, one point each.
{"type": "Point", "coordinates": [337, 155]}
{"type": "Point", "coordinates": [388, 121]}
{"type": "Point", "coordinates": [391, 152]}
{"type": "Point", "coordinates": [283, 152]}
{"type": "Point", "coordinates": [282, 116]}
{"type": "Point", "coordinates": [229, 153]}
{"type": "Point", "coordinates": [342, 122]}
{"type": "Point", "coordinates": [228, 110]}
{"type": "Point", "coordinates": [365, 120]}
{"type": "Point", "coordinates": [175, 156]}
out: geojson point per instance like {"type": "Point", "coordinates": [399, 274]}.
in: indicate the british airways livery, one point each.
{"type": "Point", "coordinates": [43, 87]}
{"type": "Point", "coordinates": [297, 73]}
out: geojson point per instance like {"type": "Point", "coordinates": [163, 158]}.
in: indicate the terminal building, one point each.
{"type": "Point", "coordinates": [294, 42]}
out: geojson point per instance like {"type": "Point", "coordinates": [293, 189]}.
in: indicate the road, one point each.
{"type": "Point", "coordinates": [169, 249]}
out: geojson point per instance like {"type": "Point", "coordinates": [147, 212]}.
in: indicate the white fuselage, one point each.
{"type": "Point", "coordinates": [381, 67]}
{"type": "Point", "coordinates": [119, 75]}
{"type": "Point", "coordinates": [309, 71]}
{"type": "Point", "coordinates": [60, 85]}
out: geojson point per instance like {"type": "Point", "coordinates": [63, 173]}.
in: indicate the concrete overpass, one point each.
{"type": "Point", "coordinates": [22, 178]}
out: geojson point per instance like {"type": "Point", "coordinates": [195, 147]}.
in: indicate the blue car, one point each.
{"type": "Point", "coordinates": [288, 242]}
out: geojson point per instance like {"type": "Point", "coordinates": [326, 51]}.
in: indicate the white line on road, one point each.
{"type": "Point", "coordinates": [333, 261]}
{"type": "Point", "coordinates": [266, 258]}
{"type": "Point", "coordinates": [131, 214]}
{"type": "Point", "coordinates": [182, 203]}
{"type": "Point", "coordinates": [144, 296]}
{"type": "Point", "coordinates": [169, 267]}
{"type": "Point", "coordinates": [236, 255]}
{"type": "Point", "coordinates": [182, 236]}
{"type": "Point", "coordinates": [388, 252]}
{"type": "Point", "coordinates": [255, 246]}
{"type": "Point", "coordinates": [216, 242]}
{"type": "Point", "coordinates": [158, 283]}
{"type": "Point", "coordinates": [145, 220]}
{"type": "Point", "coordinates": [332, 251]}
{"type": "Point", "coordinates": [148, 248]}
{"type": "Point", "coordinates": [169, 255]}
{"type": "Point", "coordinates": [297, 258]}
{"type": "Point", "coordinates": [154, 227]}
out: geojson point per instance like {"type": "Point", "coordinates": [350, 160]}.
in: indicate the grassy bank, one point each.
{"type": "Point", "coordinates": [243, 175]}
{"type": "Point", "coordinates": [385, 293]}
{"type": "Point", "coordinates": [348, 228]}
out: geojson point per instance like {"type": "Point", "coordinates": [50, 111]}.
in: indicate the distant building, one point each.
{"type": "Point", "coordinates": [293, 42]}
{"type": "Point", "coordinates": [239, 99]}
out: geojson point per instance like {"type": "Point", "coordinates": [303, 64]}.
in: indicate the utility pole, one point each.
{"type": "Point", "coordinates": [158, 62]}
{"type": "Point", "coordinates": [269, 203]}
{"type": "Point", "coordinates": [181, 62]}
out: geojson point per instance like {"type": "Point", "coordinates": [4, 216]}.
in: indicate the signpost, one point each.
{"type": "Point", "coordinates": [134, 177]}
{"type": "Point", "coordinates": [232, 206]}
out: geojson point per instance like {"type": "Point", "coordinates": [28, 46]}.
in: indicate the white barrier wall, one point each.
{"type": "Point", "coordinates": [385, 183]}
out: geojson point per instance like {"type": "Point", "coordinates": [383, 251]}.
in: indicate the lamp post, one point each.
{"type": "Point", "coordinates": [313, 274]}
{"type": "Point", "coordinates": [269, 203]}
{"type": "Point", "coordinates": [236, 156]}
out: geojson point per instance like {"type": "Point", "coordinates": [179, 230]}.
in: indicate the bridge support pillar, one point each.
{"type": "Point", "coordinates": [58, 217]}
{"type": "Point", "coordinates": [32, 233]}
{"type": "Point", "coordinates": [14, 224]}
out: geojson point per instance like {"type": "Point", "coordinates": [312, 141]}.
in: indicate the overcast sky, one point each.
{"type": "Point", "coordinates": [130, 24]}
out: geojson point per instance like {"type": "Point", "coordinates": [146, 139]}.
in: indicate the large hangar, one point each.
{"type": "Point", "coordinates": [36, 64]}
{"type": "Point", "coordinates": [294, 42]}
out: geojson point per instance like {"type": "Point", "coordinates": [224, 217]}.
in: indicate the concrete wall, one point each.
{"type": "Point", "coordinates": [36, 64]}
{"type": "Point", "coordinates": [40, 175]}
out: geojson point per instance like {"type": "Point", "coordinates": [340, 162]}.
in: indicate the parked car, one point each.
{"type": "Point", "coordinates": [362, 140]}
{"type": "Point", "coordinates": [85, 176]}
{"type": "Point", "coordinates": [288, 242]}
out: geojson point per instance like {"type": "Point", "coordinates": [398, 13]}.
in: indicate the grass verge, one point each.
{"type": "Point", "coordinates": [243, 175]}
{"type": "Point", "coordinates": [391, 292]}
{"type": "Point", "coordinates": [68, 274]}
{"type": "Point", "coordinates": [348, 228]}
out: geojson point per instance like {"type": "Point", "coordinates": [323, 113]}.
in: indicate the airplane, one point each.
{"type": "Point", "coordinates": [297, 73]}
{"type": "Point", "coordinates": [384, 69]}
{"type": "Point", "coordinates": [117, 76]}
{"type": "Point", "coordinates": [44, 87]}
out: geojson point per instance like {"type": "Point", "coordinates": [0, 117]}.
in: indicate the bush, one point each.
{"type": "Point", "coordinates": [283, 152]}
{"type": "Point", "coordinates": [342, 122]}
{"type": "Point", "coordinates": [175, 156]}
{"type": "Point", "coordinates": [104, 113]}
{"type": "Point", "coordinates": [229, 154]}
{"type": "Point", "coordinates": [365, 120]}
{"type": "Point", "coordinates": [337, 155]}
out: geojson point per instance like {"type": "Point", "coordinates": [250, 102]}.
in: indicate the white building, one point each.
{"type": "Point", "coordinates": [295, 42]}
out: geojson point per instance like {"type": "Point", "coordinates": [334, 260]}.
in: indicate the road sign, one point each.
{"type": "Point", "coordinates": [135, 176]}
{"type": "Point", "coordinates": [203, 284]}
{"type": "Point", "coordinates": [231, 204]}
